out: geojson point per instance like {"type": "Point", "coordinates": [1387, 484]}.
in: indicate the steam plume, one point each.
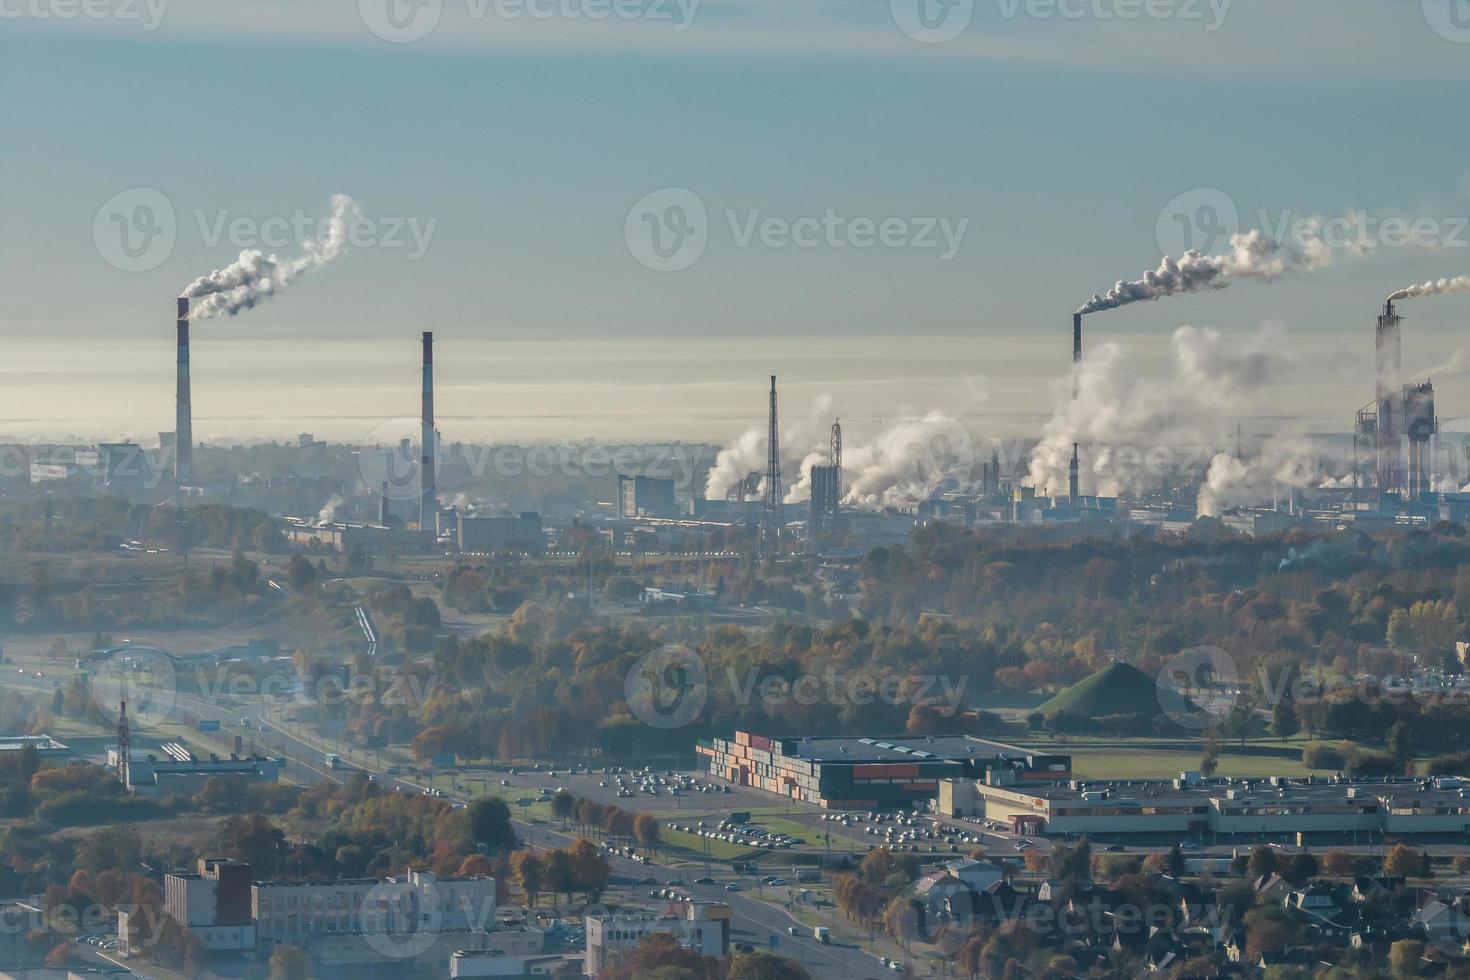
{"type": "Point", "coordinates": [1252, 255]}
{"type": "Point", "coordinates": [1135, 428]}
{"type": "Point", "coordinates": [1434, 287]}
{"type": "Point", "coordinates": [1285, 461]}
{"type": "Point", "coordinates": [901, 465]}
{"type": "Point", "coordinates": [255, 277]}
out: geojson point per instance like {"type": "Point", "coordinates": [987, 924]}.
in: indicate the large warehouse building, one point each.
{"type": "Point", "coordinates": [1191, 807]}
{"type": "Point", "coordinates": [867, 773]}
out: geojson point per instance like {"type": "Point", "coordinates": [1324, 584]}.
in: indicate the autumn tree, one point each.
{"type": "Point", "coordinates": [530, 872]}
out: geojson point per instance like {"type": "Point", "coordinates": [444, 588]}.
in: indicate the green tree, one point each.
{"type": "Point", "coordinates": [1262, 861]}
{"type": "Point", "coordinates": [530, 872]}
{"type": "Point", "coordinates": [1284, 722]}
{"type": "Point", "coordinates": [489, 823]}
{"type": "Point", "coordinates": [1400, 741]}
{"type": "Point", "coordinates": [563, 805]}
{"type": "Point", "coordinates": [1176, 861]}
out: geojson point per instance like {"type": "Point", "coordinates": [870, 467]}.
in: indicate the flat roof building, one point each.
{"type": "Point", "coordinates": [1190, 806]}
{"type": "Point", "coordinates": [50, 751]}
{"type": "Point", "coordinates": [867, 773]}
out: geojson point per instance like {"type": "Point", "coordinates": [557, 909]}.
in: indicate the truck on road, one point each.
{"type": "Point", "coordinates": [333, 762]}
{"type": "Point", "coordinates": [821, 935]}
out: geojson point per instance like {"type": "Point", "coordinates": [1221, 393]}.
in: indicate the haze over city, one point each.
{"type": "Point", "coordinates": [734, 489]}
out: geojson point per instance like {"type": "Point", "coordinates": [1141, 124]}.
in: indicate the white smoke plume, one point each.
{"type": "Point", "coordinates": [328, 513]}
{"type": "Point", "coordinates": [906, 462]}
{"type": "Point", "coordinates": [744, 456]}
{"type": "Point", "coordinates": [1284, 463]}
{"type": "Point", "coordinates": [1252, 255]}
{"type": "Point", "coordinates": [1134, 428]}
{"type": "Point", "coordinates": [255, 277]}
{"type": "Point", "coordinates": [1434, 287]}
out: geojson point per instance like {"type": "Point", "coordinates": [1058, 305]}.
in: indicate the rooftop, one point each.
{"type": "Point", "coordinates": [901, 748]}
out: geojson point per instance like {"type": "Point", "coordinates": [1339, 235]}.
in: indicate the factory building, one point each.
{"type": "Point", "coordinates": [489, 535]}
{"type": "Point", "coordinates": [1191, 806]}
{"type": "Point", "coordinates": [49, 751]}
{"type": "Point", "coordinates": [344, 538]}
{"type": "Point", "coordinates": [646, 496]}
{"type": "Point", "coordinates": [181, 774]}
{"type": "Point", "coordinates": [868, 773]}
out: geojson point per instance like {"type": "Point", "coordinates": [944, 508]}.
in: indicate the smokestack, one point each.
{"type": "Point", "coordinates": [771, 517]}
{"type": "Point", "coordinates": [383, 512]}
{"type": "Point", "coordinates": [1076, 349]}
{"type": "Point", "coordinates": [1072, 478]}
{"type": "Point", "coordinates": [1389, 394]}
{"type": "Point", "coordinates": [183, 408]}
{"type": "Point", "coordinates": [427, 504]}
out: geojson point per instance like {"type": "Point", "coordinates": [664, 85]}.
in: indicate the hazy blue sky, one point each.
{"type": "Point", "coordinates": [1057, 139]}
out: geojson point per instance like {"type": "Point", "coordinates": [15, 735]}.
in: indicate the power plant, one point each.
{"type": "Point", "coordinates": [1398, 427]}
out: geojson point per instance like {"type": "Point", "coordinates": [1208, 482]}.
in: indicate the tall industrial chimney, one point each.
{"type": "Point", "coordinates": [771, 516]}
{"type": "Point", "coordinates": [427, 504]}
{"type": "Point", "coordinates": [1076, 366]}
{"type": "Point", "coordinates": [1072, 479]}
{"type": "Point", "coordinates": [1076, 348]}
{"type": "Point", "coordinates": [1389, 394]}
{"type": "Point", "coordinates": [183, 409]}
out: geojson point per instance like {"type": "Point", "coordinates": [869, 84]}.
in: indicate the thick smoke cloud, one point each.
{"type": "Point", "coordinates": [1252, 255]}
{"type": "Point", "coordinates": [1284, 463]}
{"type": "Point", "coordinates": [1434, 287]}
{"type": "Point", "coordinates": [1134, 428]}
{"type": "Point", "coordinates": [255, 277]}
{"type": "Point", "coordinates": [900, 465]}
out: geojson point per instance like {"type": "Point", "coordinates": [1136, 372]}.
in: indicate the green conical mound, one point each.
{"type": "Point", "coordinates": [1117, 689]}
